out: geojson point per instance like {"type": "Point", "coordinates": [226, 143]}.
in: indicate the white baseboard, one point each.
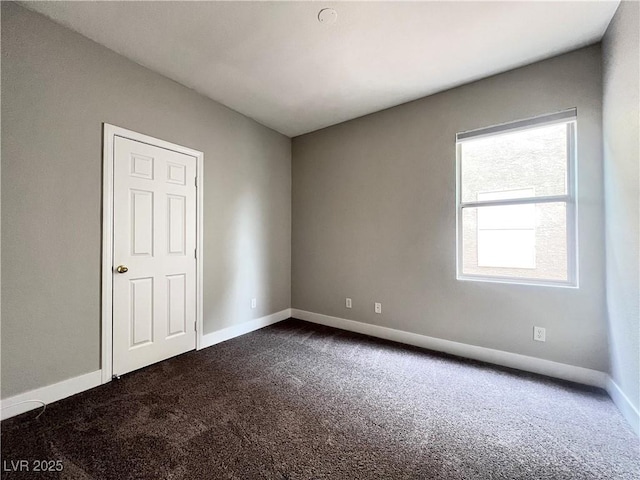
{"type": "Point", "coordinates": [498, 357]}
{"type": "Point", "coordinates": [628, 410]}
{"type": "Point", "coordinates": [33, 399]}
{"type": "Point", "coordinates": [228, 333]}
{"type": "Point", "coordinates": [30, 400]}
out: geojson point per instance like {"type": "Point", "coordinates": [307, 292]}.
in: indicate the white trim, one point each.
{"type": "Point", "coordinates": [32, 399]}
{"type": "Point", "coordinates": [24, 402]}
{"type": "Point", "coordinates": [236, 330]}
{"type": "Point", "coordinates": [469, 277]}
{"type": "Point", "coordinates": [517, 201]}
{"type": "Point", "coordinates": [543, 120]}
{"type": "Point", "coordinates": [110, 132]}
{"type": "Point", "coordinates": [628, 410]}
{"type": "Point", "coordinates": [107, 254]}
{"type": "Point", "coordinates": [573, 247]}
{"type": "Point", "coordinates": [458, 200]}
{"type": "Point", "coordinates": [507, 359]}
{"type": "Point", "coordinates": [199, 249]}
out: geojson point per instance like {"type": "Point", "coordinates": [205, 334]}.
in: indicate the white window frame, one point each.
{"type": "Point", "coordinates": [568, 117]}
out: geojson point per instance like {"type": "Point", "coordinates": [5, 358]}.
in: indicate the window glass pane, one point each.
{"type": "Point", "coordinates": [516, 241]}
{"type": "Point", "coordinates": [535, 158]}
{"type": "Point", "coordinates": [506, 234]}
{"type": "Point", "coordinates": [507, 248]}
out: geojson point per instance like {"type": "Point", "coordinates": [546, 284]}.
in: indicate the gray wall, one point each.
{"type": "Point", "coordinates": [57, 89]}
{"type": "Point", "coordinates": [374, 218]}
{"type": "Point", "coordinates": [621, 53]}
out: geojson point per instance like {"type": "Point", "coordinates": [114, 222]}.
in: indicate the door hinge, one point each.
{"type": "Point", "coordinates": [195, 325]}
{"type": "Point", "coordinates": [195, 181]}
{"type": "Point", "coordinates": [195, 253]}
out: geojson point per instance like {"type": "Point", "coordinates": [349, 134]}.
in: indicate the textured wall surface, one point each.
{"type": "Point", "coordinates": [57, 90]}
{"type": "Point", "coordinates": [374, 218]}
{"type": "Point", "coordinates": [621, 123]}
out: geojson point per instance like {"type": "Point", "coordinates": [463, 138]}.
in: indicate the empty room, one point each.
{"type": "Point", "coordinates": [320, 240]}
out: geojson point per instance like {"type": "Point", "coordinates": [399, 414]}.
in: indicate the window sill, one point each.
{"type": "Point", "coordinates": [518, 281]}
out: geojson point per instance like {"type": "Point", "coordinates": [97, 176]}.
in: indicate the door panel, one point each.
{"type": "Point", "coordinates": [154, 300]}
{"type": "Point", "coordinates": [176, 304]}
{"type": "Point", "coordinates": [176, 210]}
{"type": "Point", "coordinates": [142, 223]}
{"type": "Point", "coordinates": [141, 317]}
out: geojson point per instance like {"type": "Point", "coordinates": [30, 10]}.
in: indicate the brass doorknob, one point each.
{"type": "Point", "coordinates": [122, 269]}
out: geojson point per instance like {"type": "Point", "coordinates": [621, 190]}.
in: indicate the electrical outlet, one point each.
{"type": "Point", "coordinates": [539, 334]}
{"type": "Point", "coordinates": [377, 307]}
{"type": "Point", "coordinates": [348, 303]}
{"type": "Point", "coordinates": [254, 303]}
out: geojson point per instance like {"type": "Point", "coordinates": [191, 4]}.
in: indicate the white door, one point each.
{"type": "Point", "coordinates": [154, 247]}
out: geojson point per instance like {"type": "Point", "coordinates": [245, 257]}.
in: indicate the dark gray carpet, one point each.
{"type": "Point", "coordinates": [299, 401]}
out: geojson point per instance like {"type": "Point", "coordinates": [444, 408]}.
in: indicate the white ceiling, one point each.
{"type": "Point", "coordinates": [274, 62]}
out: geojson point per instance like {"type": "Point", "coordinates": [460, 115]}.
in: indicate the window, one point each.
{"type": "Point", "coordinates": [516, 202]}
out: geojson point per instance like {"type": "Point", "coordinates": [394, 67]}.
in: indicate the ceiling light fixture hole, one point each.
{"type": "Point", "coordinates": [327, 16]}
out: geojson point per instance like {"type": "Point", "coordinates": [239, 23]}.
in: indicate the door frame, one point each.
{"type": "Point", "coordinates": [110, 132]}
